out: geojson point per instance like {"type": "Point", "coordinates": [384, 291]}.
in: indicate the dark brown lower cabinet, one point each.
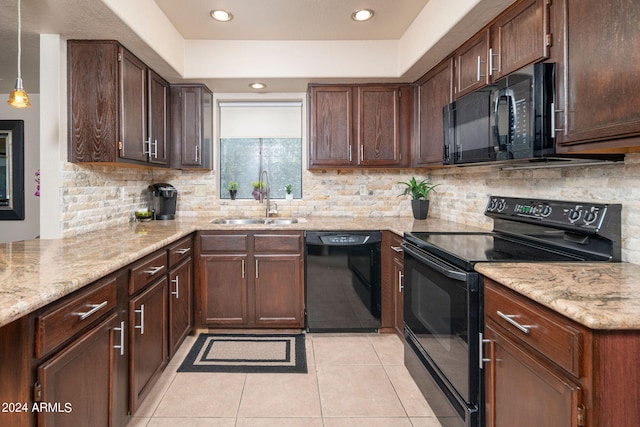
{"type": "Point", "coordinates": [148, 339]}
{"type": "Point", "coordinates": [77, 385]}
{"type": "Point", "coordinates": [277, 290]}
{"type": "Point", "coordinates": [543, 369]}
{"type": "Point", "coordinates": [524, 392]}
{"type": "Point", "coordinates": [250, 279]}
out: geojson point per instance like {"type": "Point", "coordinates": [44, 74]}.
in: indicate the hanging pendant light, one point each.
{"type": "Point", "coordinates": [18, 98]}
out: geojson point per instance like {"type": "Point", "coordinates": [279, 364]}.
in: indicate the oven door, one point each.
{"type": "Point", "coordinates": [442, 315]}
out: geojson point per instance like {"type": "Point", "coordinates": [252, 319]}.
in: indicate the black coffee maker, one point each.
{"type": "Point", "coordinates": [162, 200]}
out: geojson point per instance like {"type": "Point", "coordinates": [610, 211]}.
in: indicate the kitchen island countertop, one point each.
{"type": "Point", "coordinates": [603, 296]}
{"type": "Point", "coordinates": [34, 273]}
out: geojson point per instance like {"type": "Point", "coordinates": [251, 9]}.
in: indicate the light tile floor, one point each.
{"type": "Point", "coordinates": [353, 380]}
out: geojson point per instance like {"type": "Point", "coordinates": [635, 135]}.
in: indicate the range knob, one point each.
{"type": "Point", "coordinates": [501, 205]}
{"type": "Point", "coordinates": [546, 211]}
{"type": "Point", "coordinates": [590, 217]}
{"type": "Point", "coordinates": [574, 214]}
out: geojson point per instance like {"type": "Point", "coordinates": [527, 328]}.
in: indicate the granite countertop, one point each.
{"type": "Point", "coordinates": [34, 273]}
{"type": "Point", "coordinates": [596, 295]}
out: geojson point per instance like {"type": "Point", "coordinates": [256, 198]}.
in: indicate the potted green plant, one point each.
{"type": "Point", "coordinates": [233, 189]}
{"type": "Point", "coordinates": [288, 188]}
{"type": "Point", "coordinates": [256, 189]}
{"type": "Point", "coordinates": [419, 192]}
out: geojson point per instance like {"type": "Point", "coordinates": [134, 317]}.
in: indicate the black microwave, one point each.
{"type": "Point", "coordinates": [511, 119]}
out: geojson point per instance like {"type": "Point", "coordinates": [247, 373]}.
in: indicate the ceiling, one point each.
{"type": "Point", "coordinates": [253, 20]}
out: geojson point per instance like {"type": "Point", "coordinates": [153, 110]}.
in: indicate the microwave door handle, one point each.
{"type": "Point", "coordinates": [434, 263]}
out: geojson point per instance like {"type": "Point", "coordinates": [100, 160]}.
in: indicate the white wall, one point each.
{"type": "Point", "coordinates": [30, 227]}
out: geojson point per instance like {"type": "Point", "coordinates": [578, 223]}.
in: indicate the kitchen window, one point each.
{"type": "Point", "coordinates": [261, 135]}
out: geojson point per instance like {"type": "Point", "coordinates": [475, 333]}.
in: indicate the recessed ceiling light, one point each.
{"type": "Point", "coordinates": [362, 15]}
{"type": "Point", "coordinates": [221, 15]}
{"type": "Point", "coordinates": [257, 85]}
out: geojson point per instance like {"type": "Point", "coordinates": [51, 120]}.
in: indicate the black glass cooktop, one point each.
{"type": "Point", "coordinates": [470, 248]}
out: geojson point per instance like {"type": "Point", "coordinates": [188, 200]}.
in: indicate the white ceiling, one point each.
{"type": "Point", "coordinates": [253, 20]}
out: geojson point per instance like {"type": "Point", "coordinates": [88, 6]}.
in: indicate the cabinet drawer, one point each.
{"type": "Point", "coordinates": [68, 317]}
{"type": "Point", "coordinates": [180, 250]}
{"type": "Point", "coordinates": [224, 243]}
{"type": "Point", "coordinates": [272, 243]}
{"type": "Point", "coordinates": [147, 270]}
{"type": "Point", "coordinates": [544, 330]}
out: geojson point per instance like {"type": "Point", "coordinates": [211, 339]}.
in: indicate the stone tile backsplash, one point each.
{"type": "Point", "coordinates": [96, 196]}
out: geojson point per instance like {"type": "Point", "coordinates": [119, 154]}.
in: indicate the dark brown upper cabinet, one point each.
{"type": "Point", "coordinates": [434, 91]}
{"type": "Point", "coordinates": [117, 106]}
{"type": "Point", "coordinates": [519, 37]}
{"type": "Point", "coordinates": [191, 126]}
{"type": "Point", "coordinates": [362, 125]}
{"type": "Point", "coordinates": [598, 90]}
{"type": "Point", "coordinates": [331, 128]}
{"type": "Point", "coordinates": [471, 64]}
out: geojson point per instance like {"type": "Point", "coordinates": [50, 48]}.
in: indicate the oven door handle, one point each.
{"type": "Point", "coordinates": [434, 263]}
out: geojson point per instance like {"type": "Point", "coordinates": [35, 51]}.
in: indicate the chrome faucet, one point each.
{"type": "Point", "coordinates": [264, 194]}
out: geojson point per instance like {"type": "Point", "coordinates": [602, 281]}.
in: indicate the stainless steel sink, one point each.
{"type": "Point", "coordinates": [238, 221]}
{"type": "Point", "coordinates": [281, 221]}
{"type": "Point", "coordinates": [249, 221]}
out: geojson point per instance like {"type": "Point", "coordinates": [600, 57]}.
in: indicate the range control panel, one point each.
{"type": "Point", "coordinates": [552, 212]}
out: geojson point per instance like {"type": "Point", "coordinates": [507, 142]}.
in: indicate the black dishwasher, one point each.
{"type": "Point", "coordinates": [342, 281]}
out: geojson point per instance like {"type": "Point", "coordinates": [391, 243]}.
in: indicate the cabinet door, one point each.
{"type": "Point", "coordinates": [471, 64]}
{"type": "Point", "coordinates": [148, 336]}
{"type": "Point", "coordinates": [519, 37]}
{"type": "Point", "coordinates": [331, 117]}
{"type": "Point", "coordinates": [93, 101]}
{"type": "Point", "coordinates": [522, 391]}
{"type": "Point", "coordinates": [378, 126]}
{"type": "Point", "coordinates": [433, 94]}
{"type": "Point", "coordinates": [601, 94]}
{"type": "Point", "coordinates": [224, 289]}
{"type": "Point", "coordinates": [133, 108]}
{"type": "Point", "coordinates": [79, 379]}
{"type": "Point", "coordinates": [192, 126]}
{"type": "Point", "coordinates": [158, 108]}
{"type": "Point", "coordinates": [278, 289]}
{"type": "Point", "coordinates": [180, 304]}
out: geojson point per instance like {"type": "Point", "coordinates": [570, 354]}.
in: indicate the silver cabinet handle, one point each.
{"type": "Point", "coordinates": [197, 154]}
{"type": "Point", "coordinates": [491, 55]}
{"type": "Point", "coordinates": [154, 270]}
{"type": "Point", "coordinates": [482, 359]}
{"type": "Point", "coordinates": [361, 153]}
{"type": "Point", "coordinates": [243, 269]}
{"type": "Point", "coordinates": [141, 312]}
{"type": "Point", "coordinates": [400, 279]}
{"type": "Point", "coordinates": [121, 346]}
{"type": "Point", "coordinates": [155, 148]}
{"type": "Point", "coordinates": [183, 251]}
{"type": "Point", "coordinates": [350, 153]}
{"type": "Point", "coordinates": [257, 269]}
{"type": "Point", "coordinates": [480, 61]}
{"type": "Point", "coordinates": [146, 146]}
{"type": "Point", "coordinates": [177, 282]}
{"type": "Point", "coordinates": [509, 318]}
{"type": "Point", "coordinates": [397, 249]}
{"type": "Point", "coordinates": [94, 308]}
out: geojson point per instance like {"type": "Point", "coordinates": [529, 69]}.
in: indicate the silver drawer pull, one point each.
{"type": "Point", "coordinates": [154, 270]}
{"type": "Point", "coordinates": [121, 346]}
{"type": "Point", "coordinates": [183, 251]}
{"type": "Point", "coordinates": [141, 312]}
{"type": "Point", "coordinates": [509, 318]}
{"type": "Point", "coordinates": [397, 249]}
{"type": "Point", "coordinates": [94, 308]}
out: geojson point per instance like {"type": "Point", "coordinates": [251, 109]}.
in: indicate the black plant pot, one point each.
{"type": "Point", "coordinates": [420, 208]}
{"type": "Point", "coordinates": [232, 194]}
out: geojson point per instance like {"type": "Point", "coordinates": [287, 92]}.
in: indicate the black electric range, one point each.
{"type": "Point", "coordinates": [443, 293]}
